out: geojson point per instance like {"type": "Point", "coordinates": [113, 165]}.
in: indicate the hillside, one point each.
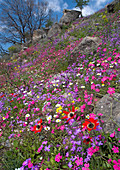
{"type": "Point", "coordinates": [51, 101]}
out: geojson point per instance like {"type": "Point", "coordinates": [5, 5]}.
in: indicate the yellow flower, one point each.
{"type": "Point", "coordinates": [4, 118]}
{"type": "Point", "coordinates": [20, 131]}
{"type": "Point", "coordinates": [59, 110]}
{"type": "Point", "coordinates": [103, 85]}
{"type": "Point", "coordinates": [73, 101]}
{"type": "Point", "coordinates": [76, 108]}
{"type": "Point", "coordinates": [38, 97]}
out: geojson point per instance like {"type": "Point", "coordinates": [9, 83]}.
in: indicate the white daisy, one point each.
{"type": "Point", "coordinates": [58, 120]}
{"type": "Point", "coordinates": [47, 128]}
{"type": "Point", "coordinates": [49, 117]}
{"type": "Point", "coordinates": [27, 115]}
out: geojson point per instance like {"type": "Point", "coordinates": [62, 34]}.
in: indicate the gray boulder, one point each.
{"type": "Point", "coordinates": [110, 108]}
{"type": "Point", "coordinates": [86, 46]}
{"type": "Point", "coordinates": [55, 29]}
{"type": "Point", "coordinates": [69, 16]}
{"type": "Point", "coordinates": [38, 34]}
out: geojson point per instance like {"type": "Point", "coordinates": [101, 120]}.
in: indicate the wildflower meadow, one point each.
{"type": "Point", "coordinates": [48, 119]}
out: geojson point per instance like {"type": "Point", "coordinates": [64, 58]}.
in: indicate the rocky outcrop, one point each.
{"type": "Point", "coordinates": [38, 35]}
{"type": "Point", "coordinates": [111, 6]}
{"type": "Point", "coordinates": [86, 46]}
{"type": "Point", "coordinates": [55, 29]}
{"type": "Point", "coordinates": [110, 108]}
{"type": "Point", "coordinates": [69, 16]}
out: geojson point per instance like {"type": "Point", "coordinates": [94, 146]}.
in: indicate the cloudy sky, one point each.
{"type": "Point", "coordinates": [93, 6]}
{"type": "Point", "coordinates": [58, 5]}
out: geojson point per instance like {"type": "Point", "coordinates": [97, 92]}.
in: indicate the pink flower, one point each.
{"type": "Point", "coordinates": [47, 169]}
{"type": "Point", "coordinates": [79, 161]}
{"type": "Point", "coordinates": [90, 151]}
{"type": "Point", "coordinates": [92, 115]}
{"type": "Point", "coordinates": [117, 164]}
{"type": "Point", "coordinates": [118, 129]}
{"type": "Point", "coordinates": [112, 134]}
{"type": "Point", "coordinates": [30, 164]}
{"type": "Point", "coordinates": [109, 160]}
{"type": "Point", "coordinates": [89, 103]}
{"type": "Point", "coordinates": [82, 108]}
{"type": "Point", "coordinates": [93, 77]}
{"type": "Point", "coordinates": [33, 102]}
{"type": "Point", "coordinates": [111, 90]}
{"type": "Point", "coordinates": [62, 127]}
{"type": "Point", "coordinates": [93, 86]}
{"type": "Point", "coordinates": [115, 149]}
{"type": "Point", "coordinates": [104, 49]}
{"type": "Point", "coordinates": [100, 114]}
{"type": "Point", "coordinates": [86, 167]}
{"type": "Point", "coordinates": [52, 131]}
{"type": "Point", "coordinates": [58, 157]}
{"type": "Point", "coordinates": [97, 90]}
{"type": "Point", "coordinates": [39, 149]}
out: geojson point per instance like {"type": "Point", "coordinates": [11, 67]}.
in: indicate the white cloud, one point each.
{"type": "Point", "coordinates": [55, 5]}
{"type": "Point", "coordinates": [100, 3]}
{"type": "Point", "coordinates": [87, 10]}
{"type": "Point", "coordinates": [65, 5]}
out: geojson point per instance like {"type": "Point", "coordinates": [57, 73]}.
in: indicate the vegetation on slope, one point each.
{"type": "Point", "coordinates": [47, 111]}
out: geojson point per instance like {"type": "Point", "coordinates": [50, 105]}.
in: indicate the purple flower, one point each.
{"type": "Point", "coordinates": [67, 154]}
{"type": "Point", "coordinates": [25, 163]}
{"type": "Point", "coordinates": [70, 165]}
{"type": "Point", "coordinates": [47, 148]}
{"type": "Point", "coordinates": [73, 148]}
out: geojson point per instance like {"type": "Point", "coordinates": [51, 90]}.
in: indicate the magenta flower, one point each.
{"type": "Point", "coordinates": [79, 161]}
{"type": "Point", "coordinates": [109, 161]}
{"type": "Point", "coordinates": [86, 167]}
{"type": "Point", "coordinates": [111, 90]}
{"type": "Point", "coordinates": [115, 149]}
{"type": "Point", "coordinates": [117, 164]}
{"type": "Point", "coordinates": [112, 135]}
{"type": "Point", "coordinates": [30, 164]}
{"type": "Point", "coordinates": [58, 157]}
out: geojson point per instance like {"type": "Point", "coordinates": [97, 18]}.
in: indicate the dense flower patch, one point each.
{"type": "Point", "coordinates": [48, 119]}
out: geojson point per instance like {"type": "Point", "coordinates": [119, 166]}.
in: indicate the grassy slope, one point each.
{"type": "Point", "coordinates": [27, 78]}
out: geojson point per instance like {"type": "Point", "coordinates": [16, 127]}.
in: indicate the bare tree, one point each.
{"type": "Point", "coordinates": [19, 18]}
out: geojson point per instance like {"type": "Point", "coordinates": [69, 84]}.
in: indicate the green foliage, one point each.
{"type": "Point", "coordinates": [81, 3]}
{"type": "Point", "coordinates": [12, 48]}
{"type": "Point", "coordinates": [11, 160]}
{"type": "Point", "coordinates": [117, 7]}
{"type": "Point", "coordinates": [49, 23]}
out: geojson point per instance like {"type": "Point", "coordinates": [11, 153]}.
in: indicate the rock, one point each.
{"type": "Point", "coordinates": [55, 29]}
{"type": "Point", "coordinates": [111, 6]}
{"type": "Point", "coordinates": [46, 30]}
{"type": "Point", "coordinates": [86, 46]}
{"type": "Point", "coordinates": [110, 108]}
{"type": "Point", "coordinates": [69, 16]}
{"type": "Point", "coordinates": [38, 34]}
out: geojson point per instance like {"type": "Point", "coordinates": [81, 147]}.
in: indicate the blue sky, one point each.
{"type": "Point", "coordinates": [92, 7]}
{"type": "Point", "coordinates": [58, 5]}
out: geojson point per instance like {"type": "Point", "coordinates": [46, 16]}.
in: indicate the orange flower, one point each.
{"type": "Point", "coordinates": [70, 114]}
{"type": "Point", "coordinates": [90, 124]}
{"type": "Point", "coordinates": [37, 128]}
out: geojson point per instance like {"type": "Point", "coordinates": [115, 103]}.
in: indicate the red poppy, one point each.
{"type": "Point", "coordinates": [37, 128]}
{"type": "Point", "coordinates": [2, 96]}
{"type": "Point", "coordinates": [88, 140]}
{"type": "Point", "coordinates": [70, 114]}
{"type": "Point", "coordinates": [90, 124]}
